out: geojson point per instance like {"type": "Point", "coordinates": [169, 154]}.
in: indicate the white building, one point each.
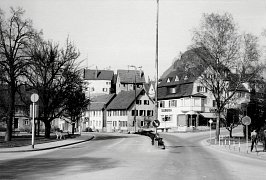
{"type": "Point", "coordinates": [121, 111]}
{"type": "Point", "coordinates": [95, 115]}
{"type": "Point", "coordinates": [98, 82]}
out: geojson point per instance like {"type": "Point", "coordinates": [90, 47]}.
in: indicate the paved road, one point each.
{"type": "Point", "coordinates": [122, 156]}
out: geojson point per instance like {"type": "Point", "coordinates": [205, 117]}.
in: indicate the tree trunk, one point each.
{"type": "Point", "coordinates": [73, 127]}
{"type": "Point", "coordinates": [231, 132]}
{"type": "Point", "coordinates": [47, 129]}
{"type": "Point", "coordinates": [218, 127]}
{"type": "Point", "coordinates": [8, 135]}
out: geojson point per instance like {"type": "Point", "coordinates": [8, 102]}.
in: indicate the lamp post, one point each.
{"type": "Point", "coordinates": [135, 108]}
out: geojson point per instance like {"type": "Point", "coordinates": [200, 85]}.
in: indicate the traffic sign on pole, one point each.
{"type": "Point", "coordinates": [156, 123]}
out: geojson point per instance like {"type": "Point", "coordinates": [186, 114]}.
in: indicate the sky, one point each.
{"type": "Point", "coordinates": [113, 34]}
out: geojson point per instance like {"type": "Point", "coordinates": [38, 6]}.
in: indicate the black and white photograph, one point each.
{"type": "Point", "coordinates": [133, 89]}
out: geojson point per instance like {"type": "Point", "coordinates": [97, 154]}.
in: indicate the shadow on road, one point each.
{"type": "Point", "coordinates": [47, 167]}
{"type": "Point", "coordinates": [108, 137]}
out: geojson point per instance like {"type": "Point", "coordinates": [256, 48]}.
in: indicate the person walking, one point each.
{"type": "Point", "coordinates": [253, 140]}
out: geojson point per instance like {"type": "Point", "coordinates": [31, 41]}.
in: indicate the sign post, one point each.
{"type": "Point", "coordinates": [34, 98]}
{"type": "Point", "coordinates": [156, 123]}
{"type": "Point", "coordinates": [246, 121]}
{"type": "Point", "coordinates": [210, 121]}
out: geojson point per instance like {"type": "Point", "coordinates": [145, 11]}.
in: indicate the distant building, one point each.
{"type": "Point", "coordinates": [98, 82]}
{"type": "Point", "coordinates": [95, 115]}
{"type": "Point", "coordinates": [126, 79]}
{"type": "Point", "coordinates": [121, 111]}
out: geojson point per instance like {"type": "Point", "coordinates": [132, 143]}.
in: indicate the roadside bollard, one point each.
{"type": "Point", "coordinates": [239, 145]}
{"type": "Point", "coordinates": [225, 143]}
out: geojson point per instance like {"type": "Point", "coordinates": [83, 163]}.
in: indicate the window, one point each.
{"type": "Point", "coordinates": [173, 103]}
{"type": "Point", "coordinates": [213, 103]}
{"type": "Point", "coordinates": [142, 112]}
{"type": "Point", "coordinates": [146, 102]}
{"type": "Point", "coordinates": [162, 104]}
{"type": "Point", "coordinates": [149, 112]}
{"type": "Point", "coordinates": [176, 78]}
{"type": "Point", "coordinates": [201, 89]}
{"type": "Point", "coordinates": [172, 90]}
{"type": "Point", "coordinates": [166, 117]}
{"type": "Point", "coordinates": [133, 112]}
{"type": "Point", "coordinates": [138, 102]}
{"type": "Point", "coordinates": [142, 123]}
{"type": "Point", "coordinates": [26, 122]}
{"type": "Point", "coordinates": [104, 89]}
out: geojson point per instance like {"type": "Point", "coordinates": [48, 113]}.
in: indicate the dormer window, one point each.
{"type": "Point", "coordinates": [168, 80]}
{"type": "Point", "coordinates": [172, 90]}
{"type": "Point", "coordinates": [176, 78]}
{"type": "Point", "coordinates": [185, 78]}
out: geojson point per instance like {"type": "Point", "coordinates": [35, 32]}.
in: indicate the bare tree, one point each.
{"type": "Point", "coordinates": [50, 78]}
{"type": "Point", "coordinates": [16, 35]}
{"type": "Point", "coordinates": [230, 59]}
{"type": "Point", "coordinates": [76, 101]}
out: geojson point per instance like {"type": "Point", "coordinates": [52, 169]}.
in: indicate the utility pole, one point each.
{"type": "Point", "coordinates": [156, 65]}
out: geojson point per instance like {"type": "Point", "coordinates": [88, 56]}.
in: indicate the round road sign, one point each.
{"type": "Point", "coordinates": [210, 121]}
{"type": "Point", "coordinates": [156, 123]}
{"type": "Point", "coordinates": [34, 97]}
{"type": "Point", "coordinates": [246, 120]}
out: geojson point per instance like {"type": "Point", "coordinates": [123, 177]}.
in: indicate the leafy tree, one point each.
{"type": "Point", "coordinates": [16, 36]}
{"type": "Point", "coordinates": [225, 50]}
{"type": "Point", "coordinates": [50, 68]}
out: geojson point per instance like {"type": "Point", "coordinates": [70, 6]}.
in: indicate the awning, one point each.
{"type": "Point", "coordinates": [209, 115]}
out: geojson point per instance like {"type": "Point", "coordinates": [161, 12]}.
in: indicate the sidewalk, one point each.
{"type": "Point", "coordinates": [50, 145]}
{"type": "Point", "coordinates": [237, 146]}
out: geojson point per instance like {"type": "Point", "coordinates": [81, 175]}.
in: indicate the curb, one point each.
{"type": "Point", "coordinates": [48, 148]}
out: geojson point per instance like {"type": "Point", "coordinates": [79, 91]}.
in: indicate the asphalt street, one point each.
{"type": "Point", "coordinates": [126, 156]}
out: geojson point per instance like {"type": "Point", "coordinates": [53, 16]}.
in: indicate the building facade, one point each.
{"type": "Point", "coordinates": [126, 80]}
{"type": "Point", "coordinates": [98, 82]}
{"type": "Point", "coordinates": [127, 106]}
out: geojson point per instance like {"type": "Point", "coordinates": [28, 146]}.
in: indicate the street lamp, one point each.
{"type": "Point", "coordinates": [135, 108]}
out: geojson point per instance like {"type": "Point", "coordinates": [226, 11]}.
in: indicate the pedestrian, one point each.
{"type": "Point", "coordinates": [253, 140]}
{"type": "Point", "coordinates": [264, 139]}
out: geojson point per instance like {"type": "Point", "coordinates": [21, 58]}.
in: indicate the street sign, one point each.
{"type": "Point", "coordinates": [210, 121]}
{"type": "Point", "coordinates": [34, 98]}
{"type": "Point", "coordinates": [156, 123]}
{"type": "Point", "coordinates": [246, 120]}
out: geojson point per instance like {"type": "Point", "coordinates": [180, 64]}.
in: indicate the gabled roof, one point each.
{"type": "Point", "coordinates": [124, 100]}
{"type": "Point", "coordinates": [100, 102]}
{"type": "Point", "coordinates": [90, 74]}
{"type": "Point", "coordinates": [148, 85]}
{"type": "Point", "coordinates": [128, 76]}
{"type": "Point", "coordinates": [182, 90]}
